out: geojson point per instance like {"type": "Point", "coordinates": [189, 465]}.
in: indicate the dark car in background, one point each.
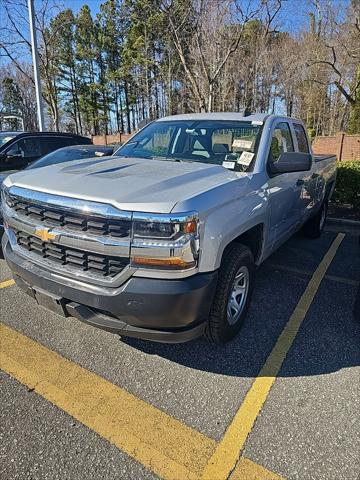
{"type": "Point", "coordinates": [75, 152]}
{"type": "Point", "coordinates": [66, 154]}
{"type": "Point", "coordinates": [18, 150]}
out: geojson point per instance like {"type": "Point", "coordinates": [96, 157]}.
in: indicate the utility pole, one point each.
{"type": "Point", "coordinates": [35, 57]}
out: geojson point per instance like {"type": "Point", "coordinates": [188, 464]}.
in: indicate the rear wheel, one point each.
{"type": "Point", "coordinates": [314, 227]}
{"type": "Point", "coordinates": [233, 294]}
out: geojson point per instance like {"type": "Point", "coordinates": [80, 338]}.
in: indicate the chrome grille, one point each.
{"type": "Point", "coordinates": [87, 239]}
{"type": "Point", "coordinates": [49, 216]}
{"type": "Point", "coordinates": [102, 265]}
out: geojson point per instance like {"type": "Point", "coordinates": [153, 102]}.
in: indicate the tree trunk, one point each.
{"type": "Point", "coordinates": [210, 98]}
{"type": "Point", "coordinates": [127, 109]}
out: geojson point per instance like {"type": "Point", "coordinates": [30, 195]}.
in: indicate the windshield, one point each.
{"type": "Point", "coordinates": [5, 137]}
{"type": "Point", "coordinates": [66, 154]}
{"type": "Point", "coordinates": [232, 144]}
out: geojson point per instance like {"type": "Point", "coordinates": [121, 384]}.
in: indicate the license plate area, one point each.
{"type": "Point", "coordinates": [51, 302]}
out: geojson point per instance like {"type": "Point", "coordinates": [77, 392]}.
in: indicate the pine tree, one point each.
{"type": "Point", "coordinates": [68, 80]}
{"type": "Point", "coordinates": [87, 48]}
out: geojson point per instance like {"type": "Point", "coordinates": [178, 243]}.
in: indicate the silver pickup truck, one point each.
{"type": "Point", "coordinates": [162, 241]}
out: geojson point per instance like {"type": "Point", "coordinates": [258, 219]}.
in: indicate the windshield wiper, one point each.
{"type": "Point", "coordinates": [161, 158]}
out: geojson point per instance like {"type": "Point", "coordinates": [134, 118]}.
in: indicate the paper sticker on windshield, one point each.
{"type": "Point", "coordinates": [257, 122]}
{"type": "Point", "coordinates": [229, 165]}
{"type": "Point", "coordinates": [243, 144]}
{"type": "Point", "coordinates": [246, 158]}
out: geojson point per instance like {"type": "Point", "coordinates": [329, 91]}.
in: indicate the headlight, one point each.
{"type": "Point", "coordinates": [165, 241]}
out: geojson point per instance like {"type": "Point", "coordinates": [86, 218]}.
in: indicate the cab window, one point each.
{"type": "Point", "coordinates": [281, 141]}
{"type": "Point", "coordinates": [301, 138]}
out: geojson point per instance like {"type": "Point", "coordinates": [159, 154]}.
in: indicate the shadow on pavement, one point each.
{"type": "Point", "coordinates": [328, 340]}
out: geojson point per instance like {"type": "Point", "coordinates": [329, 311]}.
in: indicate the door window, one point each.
{"type": "Point", "coordinates": [301, 138]}
{"type": "Point", "coordinates": [28, 148]}
{"type": "Point", "coordinates": [281, 141]}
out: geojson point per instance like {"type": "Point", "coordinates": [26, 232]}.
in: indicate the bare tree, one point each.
{"type": "Point", "coordinates": [24, 91]}
{"type": "Point", "coordinates": [339, 50]}
{"type": "Point", "coordinates": [15, 44]}
{"type": "Point", "coordinates": [214, 37]}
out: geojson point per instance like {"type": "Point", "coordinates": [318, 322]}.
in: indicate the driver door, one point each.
{"type": "Point", "coordinates": [284, 189]}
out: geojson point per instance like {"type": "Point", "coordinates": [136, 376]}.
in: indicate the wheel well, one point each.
{"type": "Point", "coordinates": [253, 239]}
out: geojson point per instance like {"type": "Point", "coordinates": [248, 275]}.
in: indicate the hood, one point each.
{"type": "Point", "coordinates": [3, 175]}
{"type": "Point", "coordinates": [127, 183]}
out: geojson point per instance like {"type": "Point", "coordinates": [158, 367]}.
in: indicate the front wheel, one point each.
{"type": "Point", "coordinates": [233, 294]}
{"type": "Point", "coordinates": [313, 228]}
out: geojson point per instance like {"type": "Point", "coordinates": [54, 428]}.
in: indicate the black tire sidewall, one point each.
{"type": "Point", "coordinates": [220, 329]}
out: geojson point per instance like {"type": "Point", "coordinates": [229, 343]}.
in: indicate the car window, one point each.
{"type": "Point", "coordinates": [49, 144]}
{"type": "Point", "coordinates": [26, 147]}
{"type": "Point", "coordinates": [232, 144]}
{"type": "Point", "coordinates": [301, 138]}
{"type": "Point", "coordinates": [281, 141]}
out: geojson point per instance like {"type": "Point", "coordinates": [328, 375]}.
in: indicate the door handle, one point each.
{"type": "Point", "coordinates": [299, 182]}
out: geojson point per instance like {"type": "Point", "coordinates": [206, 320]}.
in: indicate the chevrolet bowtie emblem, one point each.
{"type": "Point", "coordinates": [45, 234]}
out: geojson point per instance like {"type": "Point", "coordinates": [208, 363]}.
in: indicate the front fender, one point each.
{"type": "Point", "coordinates": [226, 224]}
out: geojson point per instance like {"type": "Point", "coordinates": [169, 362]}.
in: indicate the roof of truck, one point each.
{"type": "Point", "coordinates": [259, 117]}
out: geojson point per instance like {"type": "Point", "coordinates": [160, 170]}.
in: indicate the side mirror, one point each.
{"type": "Point", "coordinates": [13, 153]}
{"type": "Point", "coordinates": [291, 162]}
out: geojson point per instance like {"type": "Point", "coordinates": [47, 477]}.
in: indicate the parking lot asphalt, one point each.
{"type": "Point", "coordinates": [187, 396]}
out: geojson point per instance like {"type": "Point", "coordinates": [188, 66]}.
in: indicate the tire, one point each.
{"type": "Point", "coordinates": [237, 269]}
{"type": "Point", "coordinates": [313, 228]}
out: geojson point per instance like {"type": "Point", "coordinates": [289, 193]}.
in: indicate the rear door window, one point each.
{"type": "Point", "coordinates": [301, 138]}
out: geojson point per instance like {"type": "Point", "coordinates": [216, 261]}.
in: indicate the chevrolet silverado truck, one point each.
{"type": "Point", "coordinates": [162, 241]}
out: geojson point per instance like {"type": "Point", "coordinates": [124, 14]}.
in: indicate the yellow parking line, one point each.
{"type": "Point", "coordinates": [228, 450]}
{"type": "Point", "coordinates": [7, 283]}
{"type": "Point", "coordinates": [158, 441]}
{"type": "Point", "coordinates": [246, 469]}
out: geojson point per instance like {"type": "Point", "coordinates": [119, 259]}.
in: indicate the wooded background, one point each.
{"type": "Point", "coordinates": [138, 59]}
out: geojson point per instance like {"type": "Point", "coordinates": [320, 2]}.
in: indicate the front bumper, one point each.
{"type": "Point", "coordinates": [161, 310]}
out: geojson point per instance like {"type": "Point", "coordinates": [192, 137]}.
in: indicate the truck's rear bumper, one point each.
{"type": "Point", "coordinates": [160, 310]}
